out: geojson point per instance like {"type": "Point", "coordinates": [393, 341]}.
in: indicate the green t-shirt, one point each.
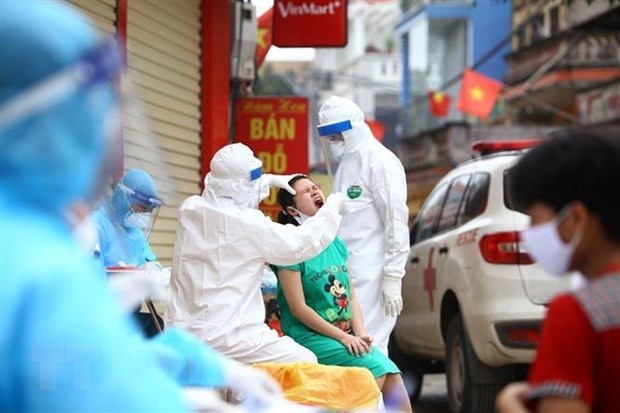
{"type": "Point", "coordinates": [325, 283]}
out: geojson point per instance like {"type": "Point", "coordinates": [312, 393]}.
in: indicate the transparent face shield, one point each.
{"type": "Point", "coordinates": [261, 188]}
{"type": "Point", "coordinates": [143, 209]}
{"type": "Point", "coordinates": [98, 65]}
{"type": "Point", "coordinates": [333, 143]}
{"type": "Point", "coordinates": [130, 140]}
{"type": "Point", "coordinates": [91, 74]}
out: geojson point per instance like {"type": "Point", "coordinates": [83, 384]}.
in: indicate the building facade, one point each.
{"type": "Point", "coordinates": [366, 71]}
{"type": "Point", "coordinates": [439, 40]}
{"type": "Point", "coordinates": [178, 60]}
{"type": "Point", "coordinates": [561, 49]}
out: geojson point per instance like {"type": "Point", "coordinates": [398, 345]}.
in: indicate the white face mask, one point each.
{"type": "Point", "coordinates": [544, 244]}
{"type": "Point", "coordinates": [336, 149]}
{"type": "Point", "coordinates": [138, 220]}
{"type": "Point", "coordinates": [301, 218]}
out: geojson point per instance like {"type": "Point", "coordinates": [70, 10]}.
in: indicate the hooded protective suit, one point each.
{"type": "Point", "coordinates": [119, 241]}
{"type": "Point", "coordinates": [374, 225]}
{"type": "Point", "coordinates": [222, 244]}
{"type": "Point", "coordinates": [65, 344]}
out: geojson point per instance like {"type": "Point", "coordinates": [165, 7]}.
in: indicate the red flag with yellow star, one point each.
{"type": "Point", "coordinates": [478, 94]}
{"type": "Point", "coordinates": [439, 103]}
{"type": "Point", "coordinates": [263, 36]}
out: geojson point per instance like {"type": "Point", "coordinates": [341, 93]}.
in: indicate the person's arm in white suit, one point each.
{"type": "Point", "coordinates": [288, 244]}
{"type": "Point", "coordinates": [390, 189]}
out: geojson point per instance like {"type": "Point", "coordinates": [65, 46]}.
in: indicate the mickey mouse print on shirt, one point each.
{"type": "Point", "coordinates": [340, 316]}
{"type": "Point", "coordinates": [339, 292]}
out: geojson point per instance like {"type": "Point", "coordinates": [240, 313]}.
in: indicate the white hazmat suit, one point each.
{"type": "Point", "coordinates": [374, 225]}
{"type": "Point", "coordinates": [222, 244]}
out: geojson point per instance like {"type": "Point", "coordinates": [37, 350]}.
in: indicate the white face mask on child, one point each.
{"type": "Point", "coordinates": [544, 244]}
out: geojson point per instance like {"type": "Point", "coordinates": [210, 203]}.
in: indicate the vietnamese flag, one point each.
{"type": "Point", "coordinates": [376, 128]}
{"type": "Point", "coordinates": [439, 103]}
{"type": "Point", "coordinates": [478, 94]}
{"type": "Point", "coordinates": [263, 36]}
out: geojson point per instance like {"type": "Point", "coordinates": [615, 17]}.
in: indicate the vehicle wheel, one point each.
{"type": "Point", "coordinates": [464, 394]}
{"type": "Point", "coordinates": [413, 378]}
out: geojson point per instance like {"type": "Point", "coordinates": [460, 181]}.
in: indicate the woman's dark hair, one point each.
{"type": "Point", "coordinates": [573, 165]}
{"type": "Point", "coordinates": [285, 199]}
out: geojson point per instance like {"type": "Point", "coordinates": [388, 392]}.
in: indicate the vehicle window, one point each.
{"type": "Point", "coordinates": [427, 218]}
{"type": "Point", "coordinates": [413, 232]}
{"type": "Point", "coordinates": [453, 202]}
{"type": "Point", "coordinates": [476, 198]}
{"type": "Point", "coordinates": [509, 199]}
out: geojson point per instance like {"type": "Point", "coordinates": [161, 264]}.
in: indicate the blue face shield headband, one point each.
{"type": "Point", "coordinates": [99, 64]}
{"type": "Point", "coordinates": [148, 201]}
{"type": "Point", "coordinates": [334, 129]}
{"type": "Point", "coordinates": [256, 173]}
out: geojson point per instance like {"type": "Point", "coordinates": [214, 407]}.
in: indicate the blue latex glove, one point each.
{"type": "Point", "coordinates": [192, 363]}
{"type": "Point", "coordinates": [187, 360]}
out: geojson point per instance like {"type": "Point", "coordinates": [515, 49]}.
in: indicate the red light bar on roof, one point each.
{"type": "Point", "coordinates": [487, 147]}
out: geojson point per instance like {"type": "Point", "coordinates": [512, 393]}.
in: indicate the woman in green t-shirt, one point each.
{"type": "Point", "coordinates": [318, 306]}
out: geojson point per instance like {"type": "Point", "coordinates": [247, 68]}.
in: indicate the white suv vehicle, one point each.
{"type": "Point", "coordinates": [473, 299]}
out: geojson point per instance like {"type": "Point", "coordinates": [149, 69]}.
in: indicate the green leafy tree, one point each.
{"type": "Point", "coordinates": [270, 83]}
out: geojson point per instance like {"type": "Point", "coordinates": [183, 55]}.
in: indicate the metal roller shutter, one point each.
{"type": "Point", "coordinates": [101, 12]}
{"type": "Point", "coordinates": [163, 42]}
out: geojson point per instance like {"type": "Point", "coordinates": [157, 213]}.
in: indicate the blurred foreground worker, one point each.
{"type": "Point", "coordinates": [374, 217]}
{"type": "Point", "coordinates": [222, 243]}
{"type": "Point", "coordinates": [568, 186]}
{"type": "Point", "coordinates": [65, 344]}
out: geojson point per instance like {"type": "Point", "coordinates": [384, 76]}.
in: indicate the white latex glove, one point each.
{"type": "Point", "coordinates": [258, 389]}
{"type": "Point", "coordinates": [280, 181]}
{"type": "Point", "coordinates": [131, 287]}
{"type": "Point", "coordinates": [334, 202]}
{"type": "Point", "coordinates": [151, 266]}
{"type": "Point", "coordinates": [201, 399]}
{"type": "Point", "coordinates": [130, 265]}
{"type": "Point", "coordinates": [392, 298]}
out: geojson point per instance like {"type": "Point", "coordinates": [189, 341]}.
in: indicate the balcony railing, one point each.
{"type": "Point", "coordinates": [406, 5]}
{"type": "Point", "coordinates": [417, 117]}
{"type": "Point", "coordinates": [580, 50]}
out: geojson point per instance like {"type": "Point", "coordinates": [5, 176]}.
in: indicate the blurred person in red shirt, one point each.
{"type": "Point", "coordinates": [569, 187]}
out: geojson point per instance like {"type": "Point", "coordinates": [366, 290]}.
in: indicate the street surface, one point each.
{"type": "Point", "coordinates": [434, 397]}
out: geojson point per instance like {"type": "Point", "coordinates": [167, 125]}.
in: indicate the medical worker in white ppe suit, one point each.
{"type": "Point", "coordinates": [222, 243]}
{"type": "Point", "coordinates": [374, 224]}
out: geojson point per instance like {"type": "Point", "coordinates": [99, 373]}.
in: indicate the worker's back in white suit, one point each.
{"type": "Point", "coordinates": [218, 269]}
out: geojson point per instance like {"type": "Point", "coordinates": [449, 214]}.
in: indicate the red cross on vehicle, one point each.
{"type": "Point", "coordinates": [430, 279]}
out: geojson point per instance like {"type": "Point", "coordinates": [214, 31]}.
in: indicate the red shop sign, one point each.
{"type": "Point", "coordinates": [310, 23]}
{"type": "Point", "coordinates": [276, 129]}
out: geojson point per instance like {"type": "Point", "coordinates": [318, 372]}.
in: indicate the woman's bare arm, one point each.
{"type": "Point", "coordinates": [294, 295]}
